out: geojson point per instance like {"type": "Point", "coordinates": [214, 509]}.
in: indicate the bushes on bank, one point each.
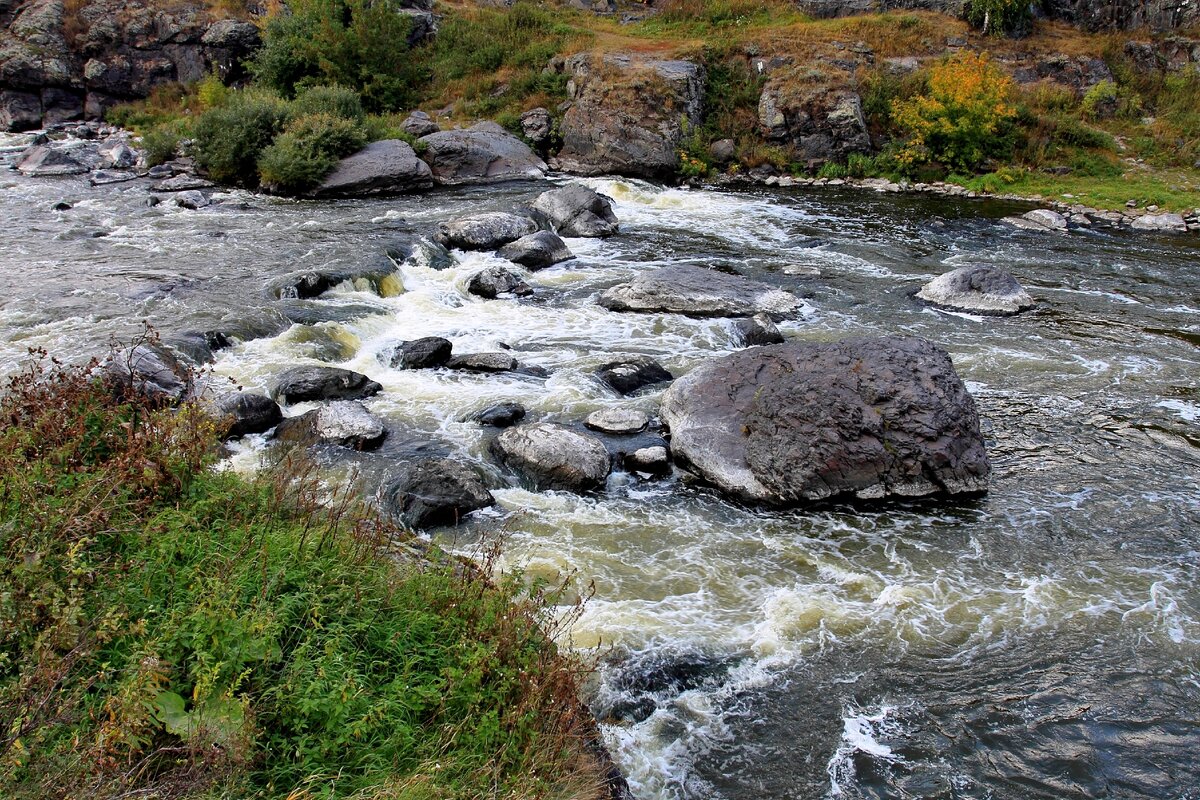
{"type": "Point", "coordinates": [997, 17]}
{"type": "Point", "coordinates": [307, 150]}
{"type": "Point", "coordinates": [230, 138]}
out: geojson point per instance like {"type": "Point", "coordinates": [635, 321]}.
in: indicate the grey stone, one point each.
{"type": "Point", "coordinates": [502, 415]}
{"type": "Point", "coordinates": [757, 330]}
{"type": "Point", "coordinates": [537, 250]}
{"type": "Point", "coordinates": [104, 177]}
{"type": "Point", "coordinates": [698, 292]}
{"type": "Point", "coordinates": [192, 200]}
{"type": "Point", "coordinates": [386, 167]}
{"type": "Point", "coordinates": [723, 151]}
{"type": "Point", "coordinates": [553, 457]}
{"type": "Point", "coordinates": [299, 384]}
{"type": "Point", "coordinates": [20, 111]}
{"type": "Point", "coordinates": [631, 374]}
{"type": "Point", "coordinates": [977, 290]}
{"type": "Point", "coordinates": [244, 413]}
{"type": "Point", "coordinates": [493, 281]}
{"type": "Point", "coordinates": [345, 423]}
{"type": "Point", "coordinates": [150, 370]}
{"type": "Point", "coordinates": [182, 183]}
{"type": "Point", "coordinates": [538, 127]}
{"type": "Point", "coordinates": [424, 353]}
{"type": "Point", "coordinates": [1160, 223]}
{"type": "Point", "coordinates": [483, 362]}
{"type": "Point", "coordinates": [419, 124]}
{"type": "Point", "coordinates": [433, 492]}
{"type": "Point", "coordinates": [576, 210]}
{"type": "Point", "coordinates": [617, 420]}
{"type": "Point", "coordinates": [487, 231]}
{"type": "Point", "coordinates": [58, 158]}
{"type": "Point", "coordinates": [655, 460]}
{"type": "Point", "coordinates": [483, 153]}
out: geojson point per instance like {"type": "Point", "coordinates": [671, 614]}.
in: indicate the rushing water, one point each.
{"type": "Point", "coordinates": [1042, 642]}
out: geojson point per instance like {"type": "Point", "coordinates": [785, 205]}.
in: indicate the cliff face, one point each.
{"type": "Point", "coordinates": [1094, 15]}
{"type": "Point", "coordinates": [66, 59]}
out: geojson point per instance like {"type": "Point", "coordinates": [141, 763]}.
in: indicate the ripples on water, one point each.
{"type": "Point", "coordinates": [1040, 642]}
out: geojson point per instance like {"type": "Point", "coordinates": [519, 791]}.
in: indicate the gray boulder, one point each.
{"type": "Point", "coordinates": [246, 412]}
{"type": "Point", "coordinates": [537, 250]}
{"type": "Point", "coordinates": [425, 353]}
{"type": "Point", "coordinates": [757, 330]}
{"type": "Point", "coordinates": [1039, 220]}
{"type": "Point", "coordinates": [483, 362]}
{"type": "Point", "coordinates": [487, 231]}
{"type": "Point", "coordinates": [433, 492]}
{"type": "Point", "coordinates": [800, 422]}
{"type": "Point", "coordinates": [182, 183]}
{"type": "Point", "coordinates": [107, 177]}
{"type": "Point", "coordinates": [59, 158]}
{"type": "Point", "coordinates": [299, 384]}
{"type": "Point", "coordinates": [537, 126]}
{"type": "Point", "coordinates": [631, 374]}
{"type": "Point", "coordinates": [346, 423]}
{"type": "Point", "coordinates": [419, 124]}
{"type": "Point", "coordinates": [491, 282]}
{"type": "Point", "coordinates": [653, 460]}
{"type": "Point", "coordinates": [698, 292]}
{"type": "Point", "coordinates": [578, 211]}
{"type": "Point", "coordinates": [617, 421]}
{"type": "Point", "coordinates": [483, 153]}
{"type": "Point", "coordinates": [315, 282]}
{"type": "Point", "coordinates": [978, 290]}
{"type": "Point", "coordinates": [20, 111]}
{"type": "Point", "coordinates": [381, 168]}
{"type": "Point", "coordinates": [553, 457]}
{"type": "Point", "coordinates": [1160, 223]}
{"type": "Point", "coordinates": [192, 200]}
{"type": "Point", "coordinates": [117, 153]}
{"type": "Point", "coordinates": [150, 370]}
{"type": "Point", "coordinates": [501, 415]}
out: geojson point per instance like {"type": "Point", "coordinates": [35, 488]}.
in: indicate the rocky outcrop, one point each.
{"type": "Point", "coordinates": [1098, 15]}
{"type": "Point", "coordinates": [314, 283]}
{"type": "Point", "coordinates": [820, 121]}
{"type": "Point", "coordinates": [628, 114]}
{"type": "Point", "coordinates": [1160, 223]}
{"type": "Point", "coordinates": [537, 250]}
{"type": "Point", "coordinates": [434, 491]}
{"type": "Point", "coordinates": [323, 383]}
{"type": "Point", "coordinates": [801, 422]}
{"type": "Point", "coordinates": [553, 457]}
{"type": "Point", "coordinates": [576, 210]}
{"type": "Point", "coordinates": [977, 290]}
{"type": "Point", "coordinates": [698, 292]}
{"type": "Point", "coordinates": [419, 124]}
{"type": "Point", "coordinates": [483, 153]}
{"type": "Point", "coordinates": [344, 424]}
{"type": "Point", "coordinates": [483, 362]}
{"type": "Point", "coordinates": [381, 168]}
{"type": "Point", "coordinates": [1166, 54]}
{"type": "Point", "coordinates": [1078, 73]}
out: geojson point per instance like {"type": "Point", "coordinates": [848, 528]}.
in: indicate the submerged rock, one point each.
{"type": "Point", "coordinates": [424, 353]}
{"type": "Point", "coordinates": [698, 292]}
{"type": "Point", "coordinates": [323, 383]}
{"type": "Point", "coordinates": [977, 290]}
{"type": "Point", "coordinates": [631, 374]}
{"type": "Point", "coordinates": [801, 422]}
{"type": "Point", "coordinates": [576, 210]}
{"type": "Point", "coordinates": [487, 231]}
{"type": "Point", "coordinates": [493, 281]}
{"type": "Point", "coordinates": [245, 413]}
{"type": "Point", "coordinates": [316, 282]}
{"type": "Point", "coordinates": [537, 250]}
{"type": "Point", "coordinates": [553, 457]}
{"type": "Point", "coordinates": [346, 423]}
{"type": "Point", "coordinates": [435, 491]}
{"type": "Point", "coordinates": [483, 153]}
{"type": "Point", "coordinates": [381, 168]}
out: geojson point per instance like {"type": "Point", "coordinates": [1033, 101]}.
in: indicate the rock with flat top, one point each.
{"type": "Point", "coordinates": [537, 250]}
{"type": "Point", "coordinates": [487, 231]}
{"type": "Point", "coordinates": [386, 167]}
{"type": "Point", "coordinates": [432, 492]}
{"type": "Point", "coordinates": [346, 423]}
{"type": "Point", "coordinates": [977, 290]}
{"type": "Point", "coordinates": [483, 153]}
{"type": "Point", "coordinates": [576, 210]}
{"type": "Point", "coordinates": [699, 292]}
{"type": "Point", "coordinates": [617, 421]}
{"type": "Point", "coordinates": [553, 457]}
{"type": "Point", "coordinates": [299, 384]}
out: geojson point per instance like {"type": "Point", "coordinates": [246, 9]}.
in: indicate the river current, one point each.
{"type": "Point", "coordinates": [1040, 642]}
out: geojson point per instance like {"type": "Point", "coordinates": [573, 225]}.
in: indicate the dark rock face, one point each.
{"type": "Point", "coordinates": [315, 283]}
{"type": "Point", "coordinates": [433, 492]}
{"type": "Point", "coordinates": [627, 114]}
{"type": "Point", "coordinates": [345, 423]}
{"type": "Point", "coordinates": [827, 9]}
{"type": "Point", "coordinates": [698, 292]}
{"type": "Point", "coordinates": [801, 422]}
{"type": "Point", "coordinates": [537, 250]}
{"type": "Point", "coordinates": [578, 211]}
{"type": "Point", "coordinates": [822, 123]}
{"type": "Point", "coordinates": [1097, 15]}
{"type": "Point", "coordinates": [150, 370]}
{"type": "Point", "coordinates": [323, 383]}
{"type": "Point", "coordinates": [381, 168]}
{"type": "Point", "coordinates": [20, 111]}
{"type": "Point", "coordinates": [483, 153]}
{"type": "Point", "coordinates": [199, 346]}
{"type": "Point", "coordinates": [977, 290]}
{"type": "Point", "coordinates": [537, 126]}
{"type": "Point", "coordinates": [631, 374]}
{"type": "Point", "coordinates": [485, 231]}
{"type": "Point", "coordinates": [757, 330]}
{"type": "Point", "coordinates": [503, 415]}
{"type": "Point", "coordinates": [553, 457]}
{"type": "Point", "coordinates": [1075, 72]}
{"type": "Point", "coordinates": [425, 353]}
{"type": "Point", "coordinates": [492, 282]}
{"type": "Point", "coordinates": [246, 413]}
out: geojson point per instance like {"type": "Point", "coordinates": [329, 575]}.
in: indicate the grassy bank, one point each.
{"type": "Point", "coordinates": [170, 631]}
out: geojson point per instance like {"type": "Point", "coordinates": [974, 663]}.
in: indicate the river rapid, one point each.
{"type": "Point", "coordinates": [1040, 642]}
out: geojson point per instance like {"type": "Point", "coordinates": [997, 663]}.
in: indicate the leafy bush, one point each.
{"type": "Point", "coordinates": [306, 151]}
{"type": "Point", "coordinates": [963, 120]}
{"type": "Point", "coordinates": [999, 16]}
{"type": "Point", "coordinates": [337, 101]}
{"type": "Point", "coordinates": [1100, 102]}
{"type": "Point", "coordinates": [230, 138]}
{"type": "Point", "coordinates": [832, 170]}
{"type": "Point", "coordinates": [161, 143]}
{"type": "Point", "coordinates": [211, 92]}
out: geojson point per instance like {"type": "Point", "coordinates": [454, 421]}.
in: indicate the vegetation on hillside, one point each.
{"type": "Point", "coordinates": [171, 631]}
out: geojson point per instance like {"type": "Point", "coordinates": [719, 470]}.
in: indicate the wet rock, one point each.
{"type": "Point", "coordinates": [106, 177]}
{"type": "Point", "coordinates": [553, 457]}
{"type": "Point", "coordinates": [801, 422]}
{"type": "Point", "coordinates": [631, 374]}
{"type": "Point", "coordinates": [723, 151]}
{"type": "Point", "coordinates": [323, 383]}
{"type": "Point", "coordinates": [346, 423]}
{"type": "Point", "coordinates": [315, 283]}
{"type": "Point", "coordinates": [698, 292]}
{"type": "Point", "coordinates": [58, 158]}
{"type": "Point", "coordinates": [617, 421]}
{"type": "Point", "coordinates": [199, 346]}
{"type": "Point", "coordinates": [425, 353]}
{"type": "Point", "coordinates": [483, 362]}
{"type": "Point", "coordinates": [151, 370]}
{"type": "Point", "coordinates": [628, 114]}
{"type": "Point", "coordinates": [182, 183]}
{"type": "Point", "coordinates": [757, 330]}
{"type": "Point", "coordinates": [117, 153]}
{"type": "Point", "coordinates": [576, 210]}
{"type": "Point", "coordinates": [483, 153]}
{"type": "Point", "coordinates": [502, 415]}
{"type": "Point", "coordinates": [192, 200]}
{"type": "Point", "coordinates": [20, 111]}
{"type": "Point", "coordinates": [537, 250]}
{"type": "Point", "coordinates": [245, 413]}
{"type": "Point", "coordinates": [487, 231]}
{"type": "Point", "coordinates": [381, 168]}
{"type": "Point", "coordinates": [1039, 220]}
{"type": "Point", "coordinates": [1160, 223]}
{"type": "Point", "coordinates": [62, 206]}
{"type": "Point", "coordinates": [419, 124]}
{"type": "Point", "coordinates": [433, 492]}
{"type": "Point", "coordinates": [977, 290]}
{"type": "Point", "coordinates": [493, 281]}
{"type": "Point", "coordinates": [651, 460]}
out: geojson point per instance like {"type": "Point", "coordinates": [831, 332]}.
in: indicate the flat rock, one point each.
{"type": "Point", "coordinates": [631, 374]}
{"type": "Point", "coordinates": [345, 423]}
{"type": "Point", "coordinates": [654, 460]}
{"type": "Point", "coordinates": [104, 177]}
{"type": "Point", "coordinates": [483, 153]}
{"type": "Point", "coordinates": [617, 420]}
{"type": "Point", "coordinates": [537, 250]}
{"type": "Point", "coordinates": [244, 413]}
{"type": "Point", "coordinates": [385, 167]}
{"type": "Point", "coordinates": [800, 422]}
{"type": "Point", "coordinates": [182, 183]}
{"type": "Point", "coordinates": [977, 290]}
{"type": "Point", "coordinates": [553, 457]}
{"type": "Point", "coordinates": [55, 158]}
{"type": "Point", "coordinates": [483, 362]}
{"type": "Point", "coordinates": [757, 330]}
{"type": "Point", "coordinates": [299, 384]}
{"type": "Point", "coordinates": [1160, 223]}
{"type": "Point", "coordinates": [315, 282]}
{"type": "Point", "coordinates": [576, 210]}
{"type": "Point", "coordinates": [425, 353]}
{"type": "Point", "coordinates": [698, 292]}
{"type": "Point", "coordinates": [491, 282]}
{"type": "Point", "coordinates": [1039, 220]}
{"type": "Point", "coordinates": [433, 492]}
{"type": "Point", "coordinates": [487, 231]}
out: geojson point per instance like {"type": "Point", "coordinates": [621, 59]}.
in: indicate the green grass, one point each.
{"type": "Point", "coordinates": [170, 631]}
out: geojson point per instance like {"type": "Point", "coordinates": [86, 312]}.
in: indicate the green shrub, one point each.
{"type": "Point", "coordinates": [1100, 102]}
{"type": "Point", "coordinates": [832, 170]}
{"type": "Point", "coordinates": [993, 17]}
{"type": "Point", "coordinates": [306, 151]}
{"type": "Point", "coordinates": [230, 138]}
{"type": "Point", "coordinates": [337, 101]}
{"type": "Point", "coordinates": [211, 92]}
{"type": "Point", "coordinates": [1073, 132]}
{"type": "Point", "coordinates": [161, 143]}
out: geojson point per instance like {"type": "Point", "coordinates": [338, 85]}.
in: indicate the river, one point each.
{"type": "Point", "coordinates": [1040, 642]}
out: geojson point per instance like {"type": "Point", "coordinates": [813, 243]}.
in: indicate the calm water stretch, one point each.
{"type": "Point", "coordinates": [1042, 642]}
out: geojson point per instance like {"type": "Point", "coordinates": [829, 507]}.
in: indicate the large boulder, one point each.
{"type": "Point", "coordinates": [424, 353]}
{"type": "Point", "coordinates": [977, 290]}
{"type": "Point", "coordinates": [698, 292]}
{"type": "Point", "coordinates": [578, 211]}
{"type": "Point", "coordinates": [59, 158]}
{"type": "Point", "coordinates": [537, 250]}
{"type": "Point", "coordinates": [628, 114]}
{"type": "Point", "coordinates": [149, 369]}
{"type": "Point", "coordinates": [323, 383]}
{"type": "Point", "coordinates": [553, 457]}
{"type": "Point", "coordinates": [419, 124]}
{"type": "Point", "coordinates": [757, 330]}
{"type": "Point", "coordinates": [20, 111]}
{"type": "Point", "coordinates": [1097, 15]}
{"type": "Point", "coordinates": [631, 374]}
{"type": "Point", "coordinates": [243, 413]}
{"type": "Point", "coordinates": [483, 153]}
{"type": "Point", "coordinates": [801, 422]}
{"type": "Point", "coordinates": [491, 282]}
{"type": "Point", "coordinates": [821, 123]}
{"type": "Point", "coordinates": [486, 231]}
{"type": "Point", "coordinates": [434, 491]}
{"type": "Point", "coordinates": [1160, 223]}
{"type": "Point", "coordinates": [345, 423]}
{"type": "Point", "coordinates": [381, 168]}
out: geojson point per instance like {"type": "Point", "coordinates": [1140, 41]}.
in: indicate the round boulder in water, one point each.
{"type": "Point", "coordinates": [501, 415]}
{"type": "Point", "coordinates": [805, 421]}
{"type": "Point", "coordinates": [631, 374]}
{"type": "Point", "coordinates": [323, 383]}
{"type": "Point", "coordinates": [977, 290]}
{"type": "Point", "coordinates": [345, 424]}
{"type": "Point", "coordinates": [553, 457]}
{"type": "Point", "coordinates": [425, 353]}
{"type": "Point", "coordinates": [576, 210]}
{"type": "Point", "coordinates": [757, 330]}
{"type": "Point", "coordinates": [494, 281]}
{"type": "Point", "coordinates": [485, 231]}
{"type": "Point", "coordinates": [245, 413]}
{"type": "Point", "coordinates": [617, 420]}
{"type": "Point", "coordinates": [537, 250]}
{"type": "Point", "coordinates": [435, 491]}
{"type": "Point", "coordinates": [653, 460]}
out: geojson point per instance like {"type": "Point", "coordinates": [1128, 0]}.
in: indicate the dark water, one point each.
{"type": "Point", "coordinates": [1042, 642]}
